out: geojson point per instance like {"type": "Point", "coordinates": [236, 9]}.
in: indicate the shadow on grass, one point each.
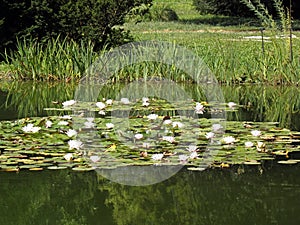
{"type": "Point", "coordinates": [215, 20]}
{"type": "Point", "coordinates": [225, 21]}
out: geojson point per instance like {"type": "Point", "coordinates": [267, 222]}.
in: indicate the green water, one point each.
{"type": "Point", "coordinates": [257, 196]}
{"type": "Point", "coordinates": [268, 194]}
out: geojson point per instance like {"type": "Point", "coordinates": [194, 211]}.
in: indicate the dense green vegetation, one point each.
{"type": "Point", "coordinates": [98, 21]}
{"type": "Point", "coordinates": [232, 47]}
{"type": "Point", "coordinates": [238, 7]}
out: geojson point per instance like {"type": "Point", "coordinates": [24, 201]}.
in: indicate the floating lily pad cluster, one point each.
{"type": "Point", "coordinates": [146, 131]}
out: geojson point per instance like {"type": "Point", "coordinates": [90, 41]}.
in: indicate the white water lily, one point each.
{"type": "Point", "coordinates": [217, 127]}
{"type": "Point", "coordinates": [199, 109]}
{"type": "Point", "coordinates": [249, 144]}
{"type": "Point", "coordinates": [100, 105]}
{"type": "Point", "coordinates": [30, 128]}
{"type": "Point", "coordinates": [109, 102]}
{"type": "Point", "coordinates": [145, 99]}
{"type": "Point", "coordinates": [63, 123]}
{"type": "Point", "coordinates": [94, 158]}
{"type": "Point", "coordinates": [66, 117]}
{"type": "Point", "coordinates": [146, 145]}
{"type": "Point", "coordinates": [183, 158]}
{"type": "Point", "coordinates": [90, 119]}
{"type": "Point", "coordinates": [71, 133]}
{"type": "Point", "coordinates": [157, 157]}
{"type": "Point", "coordinates": [125, 101]}
{"type": "Point", "coordinates": [210, 135]}
{"type": "Point", "coordinates": [138, 136]}
{"type": "Point", "coordinates": [89, 125]}
{"type": "Point", "coordinates": [228, 140]}
{"type": "Point", "coordinates": [260, 146]}
{"type": "Point", "coordinates": [68, 156]}
{"type": "Point", "coordinates": [231, 105]}
{"type": "Point", "coordinates": [192, 148]}
{"type": "Point", "coordinates": [194, 155]}
{"type": "Point", "coordinates": [145, 104]}
{"type": "Point", "coordinates": [75, 144]}
{"type": "Point", "coordinates": [170, 139]}
{"type": "Point", "coordinates": [167, 122]}
{"type": "Point", "coordinates": [68, 103]}
{"type": "Point", "coordinates": [109, 125]}
{"type": "Point", "coordinates": [48, 124]}
{"type": "Point", "coordinates": [177, 124]}
{"type": "Point", "coordinates": [102, 112]}
{"type": "Point", "coordinates": [152, 116]}
{"type": "Point", "coordinates": [256, 133]}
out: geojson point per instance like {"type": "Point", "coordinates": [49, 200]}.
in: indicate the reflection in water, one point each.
{"type": "Point", "coordinates": [261, 103]}
{"type": "Point", "coordinates": [242, 195]}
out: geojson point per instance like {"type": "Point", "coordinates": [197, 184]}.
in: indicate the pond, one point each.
{"type": "Point", "coordinates": [229, 193]}
{"type": "Point", "coordinates": [237, 196]}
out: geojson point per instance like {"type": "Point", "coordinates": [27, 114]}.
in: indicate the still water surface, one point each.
{"type": "Point", "coordinates": [268, 194]}
{"type": "Point", "coordinates": [210, 197]}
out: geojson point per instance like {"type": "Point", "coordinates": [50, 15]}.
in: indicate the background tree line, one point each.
{"type": "Point", "coordinates": [237, 8]}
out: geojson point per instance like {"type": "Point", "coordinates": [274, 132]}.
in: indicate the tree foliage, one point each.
{"type": "Point", "coordinates": [237, 8]}
{"type": "Point", "coordinates": [98, 21]}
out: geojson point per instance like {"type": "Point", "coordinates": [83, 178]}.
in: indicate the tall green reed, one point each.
{"type": "Point", "coordinates": [55, 59]}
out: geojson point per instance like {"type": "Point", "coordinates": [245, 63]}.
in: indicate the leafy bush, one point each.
{"type": "Point", "coordinates": [98, 21]}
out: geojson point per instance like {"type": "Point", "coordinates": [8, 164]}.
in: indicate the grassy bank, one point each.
{"type": "Point", "coordinates": [231, 47]}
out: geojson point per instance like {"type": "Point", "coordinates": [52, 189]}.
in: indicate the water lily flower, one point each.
{"type": "Point", "coordinates": [210, 135]}
{"type": "Point", "coordinates": [260, 146]}
{"type": "Point", "coordinates": [94, 158]}
{"type": "Point", "coordinates": [248, 144]}
{"type": "Point", "coordinates": [48, 124]}
{"type": "Point", "coordinates": [183, 158]}
{"type": "Point", "coordinates": [102, 112]}
{"type": "Point", "coordinates": [217, 127]}
{"type": "Point", "coordinates": [90, 119]}
{"type": "Point", "coordinates": [100, 105]}
{"type": "Point", "coordinates": [125, 101]}
{"type": "Point", "coordinates": [167, 122]}
{"type": "Point", "coordinates": [152, 116]}
{"type": "Point", "coordinates": [75, 144]}
{"type": "Point", "coordinates": [71, 133]}
{"type": "Point", "coordinates": [192, 148]}
{"type": "Point", "coordinates": [68, 156]}
{"type": "Point", "coordinates": [66, 117]}
{"type": "Point", "coordinates": [231, 105]}
{"type": "Point", "coordinates": [30, 128]}
{"type": "Point", "coordinates": [89, 125]}
{"type": "Point", "coordinates": [68, 103]}
{"type": "Point", "coordinates": [145, 104]}
{"type": "Point", "coordinates": [109, 102]}
{"type": "Point", "coordinates": [199, 109]}
{"type": "Point", "coordinates": [170, 139]}
{"type": "Point", "coordinates": [256, 133]}
{"type": "Point", "coordinates": [157, 157]}
{"type": "Point", "coordinates": [177, 124]}
{"type": "Point", "coordinates": [109, 125]}
{"type": "Point", "coordinates": [228, 140]}
{"type": "Point", "coordinates": [194, 155]}
{"type": "Point", "coordinates": [138, 136]}
{"type": "Point", "coordinates": [146, 145]}
{"type": "Point", "coordinates": [63, 123]}
{"type": "Point", "coordinates": [145, 99]}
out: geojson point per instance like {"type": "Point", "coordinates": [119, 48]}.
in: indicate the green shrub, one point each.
{"type": "Point", "coordinates": [98, 21]}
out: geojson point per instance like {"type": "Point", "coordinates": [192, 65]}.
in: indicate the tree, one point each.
{"type": "Point", "coordinates": [99, 21]}
{"type": "Point", "coordinates": [237, 8]}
